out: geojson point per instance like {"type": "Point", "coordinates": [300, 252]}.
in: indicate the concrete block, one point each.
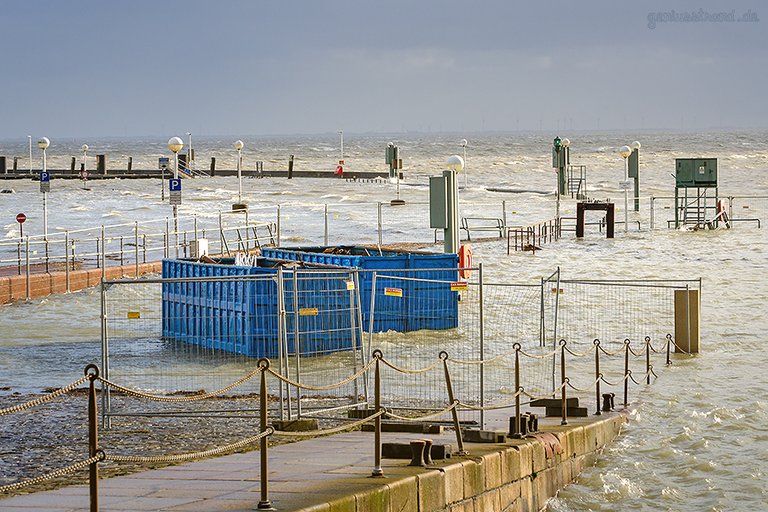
{"type": "Point", "coordinates": [526, 494]}
{"type": "Point", "coordinates": [295, 425]}
{"type": "Point", "coordinates": [526, 458]}
{"type": "Point", "coordinates": [508, 494]}
{"type": "Point", "coordinates": [431, 487]}
{"type": "Point", "coordinates": [555, 402]}
{"type": "Point", "coordinates": [492, 470]}
{"type": "Point", "coordinates": [415, 428]}
{"type": "Point", "coordinates": [343, 504]}
{"type": "Point", "coordinates": [403, 494]}
{"type": "Point", "coordinates": [488, 501]}
{"type": "Point", "coordinates": [463, 506]}
{"type": "Point", "coordinates": [453, 483]}
{"type": "Point", "coordinates": [484, 436]}
{"type": "Point", "coordinates": [376, 498]}
{"type": "Point", "coordinates": [403, 451]}
{"type": "Point", "coordinates": [573, 412]}
{"type": "Point", "coordinates": [474, 479]}
{"type": "Point", "coordinates": [510, 465]}
{"type": "Point", "coordinates": [539, 458]}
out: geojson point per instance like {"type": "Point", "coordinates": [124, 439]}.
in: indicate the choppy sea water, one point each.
{"type": "Point", "coordinates": [697, 440]}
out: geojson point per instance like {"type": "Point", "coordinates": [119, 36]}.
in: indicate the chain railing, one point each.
{"type": "Point", "coordinates": [452, 406]}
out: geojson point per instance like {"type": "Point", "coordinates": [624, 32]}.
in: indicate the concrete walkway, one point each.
{"type": "Point", "coordinates": [321, 474]}
{"type": "Point", "coordinates": [310, 473]}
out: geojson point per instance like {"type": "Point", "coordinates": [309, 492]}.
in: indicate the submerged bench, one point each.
{"type": "Point", "coordinates": [494, 224]}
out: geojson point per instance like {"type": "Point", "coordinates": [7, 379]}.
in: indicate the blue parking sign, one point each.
{"type": "Point", "coordinates": [45, 176]}
{"type": "Point", "coordinates": [174, 184]}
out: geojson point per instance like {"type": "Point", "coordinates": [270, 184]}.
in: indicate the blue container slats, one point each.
{"type": "Point", "coordinates": [241, 316]}
{"type": "Point", "coordinates": [424, 304]}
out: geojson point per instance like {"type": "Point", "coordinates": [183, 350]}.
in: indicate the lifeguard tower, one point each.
{"type": "Point", "coordinates": [696, 199]}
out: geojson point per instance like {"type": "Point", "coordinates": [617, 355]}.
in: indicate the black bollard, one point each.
{"type": "Point", "coordinates": [290, 167]}
{"type": "Point", "coordinates": [213, 166]}
{"type": "Point", "coordinates": [608, 401]}
{"type": "Point", "coordinates": [428, 452]}
{"type": "Point", "coordinates": [72, 165]}
{"type": "Point", "coordinates": [417, 453]}
{"type": "Point", "coordinates": [130, 163]}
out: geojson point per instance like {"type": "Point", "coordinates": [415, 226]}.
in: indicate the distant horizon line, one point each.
{"type": "Point", "coordinates": [335, 133]}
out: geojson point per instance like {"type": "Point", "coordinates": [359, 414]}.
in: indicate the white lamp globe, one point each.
{"type": "Point", "coordinates": [84, 147]}
{"type": "Point", "coordinates": [625, 151]}
{"type": "Point", "coordinates": [635, 145]}
{"type": "Point", "coordinates": [43, 143]}
{"type": "Point", "coordinates": [455, 163]}
{"type": "Point", "coordinates": [565, 142]}
{"type": "Point", "coordinates": [175, 144]}
{"type": "Point", "coordinates": [238, 144]}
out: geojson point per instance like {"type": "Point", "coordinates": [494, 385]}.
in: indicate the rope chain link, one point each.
{"type": "Point", "coordinates": [45, 398]}
{"type": "Point", "coordinates": [182, 457]}
{"type": "Point", "coordinates": [162, 398]}
{"type": "Point", "coordinates": [409, 370]}
{"type": "Point", "coordinates": [335, 385]}
{"type": "Point", "coordinates": [53, 474]}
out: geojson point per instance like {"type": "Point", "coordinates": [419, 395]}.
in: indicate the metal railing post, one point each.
{"type": "Point", "coordinates": [27, 267]}
{"type": "Point", "coordinates": [626, 372]}
{"type": "Point", "coordinates": [454, 413]}
{"type": "Point", "coordinates": [136, 248]}
{"type": "Point", "coordinates": [278, 226]}
{"type": "Point", "coordinates": [325, 215]}
{"type": "Point", "coordinates": [563, 397]}
{"type": "Point", "coordinates": [517, 434]}
{"type": "Point", "coordinates": [122, 251]}
{"type": "Point", "coordinates": [653, 201]}
{"type": "Point", "coordinates": [66, 260]}
{"type": "Point", "coordinates": [377, 470]}
{"type": "Point", "coordinates": [46, 255]}
{"type": "Point", "coordinates": [482, 348]}
{"type": "Point", "coordinates": [598, 375]}
{"type": "Point", "coordinates": [103, 252]}
{"type": "Point", "coordinates": [647, 359]}
{"type": "Point", "coordinates": [92, 372]}
{"type": "Point", "coordinates": [380, 225]}
{"type": "Point", "coordinates": [669, 347]}
{"type": "Point", "coordinates": [297, 339]}
{"type": "Point", "coordinates": [264, 503]}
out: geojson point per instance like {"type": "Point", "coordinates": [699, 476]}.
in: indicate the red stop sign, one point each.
{"type": "Point", "coordinates": [20, 218]}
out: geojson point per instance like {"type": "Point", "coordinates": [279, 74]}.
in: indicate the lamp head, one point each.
{"type": "Point", "coordinates": [455, 163]}
{"type": "Point", "coordinates": [84, 147]}
{"type": "Point", "coordinates": [43, 143]}
{"type": "Point", "coordinates": [238, 144]}
{"type": "Point", "coordinates": [635, 145]}
{"type": "Point", "coordinates": [625, 151]}
{"type": "Point", "coordinates": [463, 143]}
{"type": "Point", "coordinates": [175, 144]}
{"type": "Point", "coordinates": [565, 142]}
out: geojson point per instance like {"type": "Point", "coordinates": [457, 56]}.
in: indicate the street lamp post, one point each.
{"type": "Point", "coordinates": [634, 171]}
{"type": "Point", "coordinates": [30, 154]}
{"type": "Point", "coordinates": [455, 165]}
{"type": "Point", "coordinates": [464, 147]}
{"type": "Point", "coordinates": [84, 175]}
{"type": "Point", "coordinates": [43, 144]}
{"type": "Point", "coordinates": [625, 151]}
{"type": "Point", "coordinates": [238, 145]}
{"type": "Point", "coordinates": [341, 141]}
{"type": "Point", "coordinates": [175, 144]}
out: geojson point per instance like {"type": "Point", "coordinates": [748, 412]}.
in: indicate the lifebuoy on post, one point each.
{"type": "Point", "coordinates": [465, 261]}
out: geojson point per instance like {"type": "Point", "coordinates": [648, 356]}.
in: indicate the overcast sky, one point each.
{"type": "Point", "coordinates": [156, 67]}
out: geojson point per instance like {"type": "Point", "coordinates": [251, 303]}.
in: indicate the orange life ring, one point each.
{"type": "Point", "coordinates": [465, 261]}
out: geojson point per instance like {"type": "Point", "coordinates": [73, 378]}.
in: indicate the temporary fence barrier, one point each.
{"type": "Point", "coordinates": [379, 365]}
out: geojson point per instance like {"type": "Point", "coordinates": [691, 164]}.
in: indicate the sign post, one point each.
{"type": "Point", "coordinates": [21, 219]}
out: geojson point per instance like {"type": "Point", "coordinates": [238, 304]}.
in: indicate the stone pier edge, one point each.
{"type": "Point", "coordinates": [518, 476]}
{"type": "Point", "coordinates": [14, 288]}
